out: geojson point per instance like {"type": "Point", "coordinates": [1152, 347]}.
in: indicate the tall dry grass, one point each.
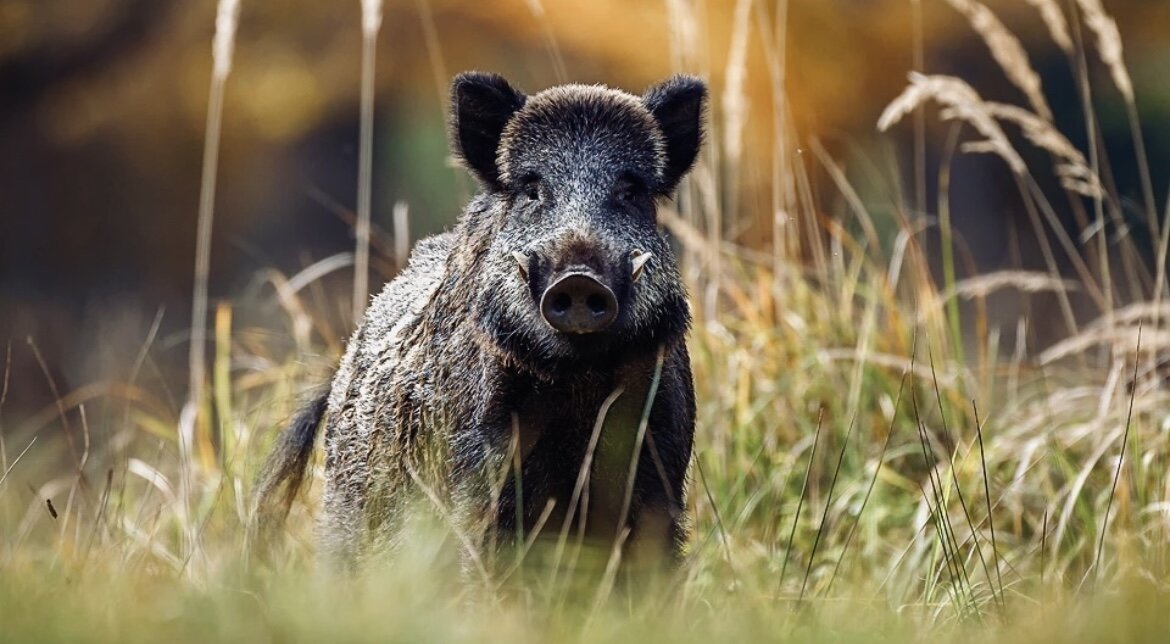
{"type": "Point", "coordinates": [371, 24]}
{"type": "Point", "coordinates": [877, 456]}
{"type": "Point", "coordinates": [191, 420]}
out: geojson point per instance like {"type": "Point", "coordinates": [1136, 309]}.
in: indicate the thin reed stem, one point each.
{"type": "Point", "coordinates": [371, 23]}
{"type": "Point", "coordinates": [227, 17]}
{"type": "Point", "coordinates": [918, 41]}
{"type": "Point", "coordinates": [800, 501]}
{"type": "Point", "coordinates": [828, 506]}
{"type": "Point", "coordinates": [987, 499]}
{"type": "Point", "coordinates": [1120, 456]}
{"type": "Point", "coordinates": [872, 483]}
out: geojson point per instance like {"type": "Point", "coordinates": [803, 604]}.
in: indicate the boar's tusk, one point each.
{"type": "Point", "coordinates": [522, 262]}
{"type": "Point", "coordinates": [638, 262]}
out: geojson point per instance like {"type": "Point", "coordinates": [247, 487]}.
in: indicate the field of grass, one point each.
{"type": "Point", "coordinates": [877, 458]}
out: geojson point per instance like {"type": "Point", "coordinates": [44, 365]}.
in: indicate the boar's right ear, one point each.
{"type": "Point", "coordinates": [677, 105]}
{"type": "Point", "coordinates": [481, 105]}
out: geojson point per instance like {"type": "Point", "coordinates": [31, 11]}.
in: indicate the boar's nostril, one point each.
{"type": "Point", "coordinates": [578, 303]}
{"type": "Point", "coordinates": [561, 303]}
{"type": "Point", "coordinates": [596, 304]}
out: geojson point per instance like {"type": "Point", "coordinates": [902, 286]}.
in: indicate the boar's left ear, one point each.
{"type": "Point", "coordinates": [677, 104]}
{"type": "Point", "coordinates": [481, 105]}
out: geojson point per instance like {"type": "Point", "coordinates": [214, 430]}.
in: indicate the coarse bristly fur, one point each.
{"type": "Point", "coordinates": [454, 375]}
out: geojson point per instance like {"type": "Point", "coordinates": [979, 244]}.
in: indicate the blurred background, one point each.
{"type": "Point", "coordinates": [103, 106]}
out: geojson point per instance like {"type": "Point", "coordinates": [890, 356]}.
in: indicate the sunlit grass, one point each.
{"type": "Point", "coordinates": [875, 459]}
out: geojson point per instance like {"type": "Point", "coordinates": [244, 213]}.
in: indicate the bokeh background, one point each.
{"type": "Point", "coordinates": [103, 106]}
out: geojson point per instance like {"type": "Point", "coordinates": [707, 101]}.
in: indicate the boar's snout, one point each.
{"type": "Point", "coordinates": [578, 302]}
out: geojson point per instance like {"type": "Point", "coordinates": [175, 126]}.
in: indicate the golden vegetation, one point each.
{"type": "Point", "coordinates": [877, 457]}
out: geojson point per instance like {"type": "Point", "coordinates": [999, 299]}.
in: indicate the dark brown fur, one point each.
{"type": "Point", "coordinates": [453, 366]}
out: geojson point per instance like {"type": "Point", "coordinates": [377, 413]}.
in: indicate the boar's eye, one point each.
{"type": "Point", "coordinates": [530, 188]}
{"type": "Point", "coordinates": [629, 191]}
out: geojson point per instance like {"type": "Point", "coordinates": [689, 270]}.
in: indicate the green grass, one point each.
{"type": "Point", "coordinates": [876, 460]}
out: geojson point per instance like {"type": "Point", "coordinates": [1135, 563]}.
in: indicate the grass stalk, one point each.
{"type": "Point", "coordinates": [947, 241]}
{"type": "Point", "coordinates": [1096, 567]}
{"type": "Point", "coordinates": [223, 46]}
{"type": "Point", "coordinates": [582, 481]}
{"type": "Point", "coordinates": [812, 555]}
{"type": "Point", "coordinates": [371, 24]}
{"type": "Point", "coordinates": [3, 399]}
{"type": "Point", "coordinates": [639, 439]}
{"type": "Point", "coordinates": [987, 498]}
{"type": "Point", "coordinates": [872, 483]}
{"type": "Point", "coordinates": [955, 478]}
{"type": "Point", "coordinates": [812, 456]}
{"type": "Point", "coordinates": [720, 528]}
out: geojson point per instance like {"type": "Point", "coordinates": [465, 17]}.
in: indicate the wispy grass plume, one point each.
{"type": "Point", "coordinates": [961, 102]}
{"type": "Point", "coordinates": [1055, 22]}
{"type": "Point", "coordinates": [1007, 51]}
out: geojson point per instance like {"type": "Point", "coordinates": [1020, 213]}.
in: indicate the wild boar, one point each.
{"type": "Point", "coordinates": [547, 329]}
